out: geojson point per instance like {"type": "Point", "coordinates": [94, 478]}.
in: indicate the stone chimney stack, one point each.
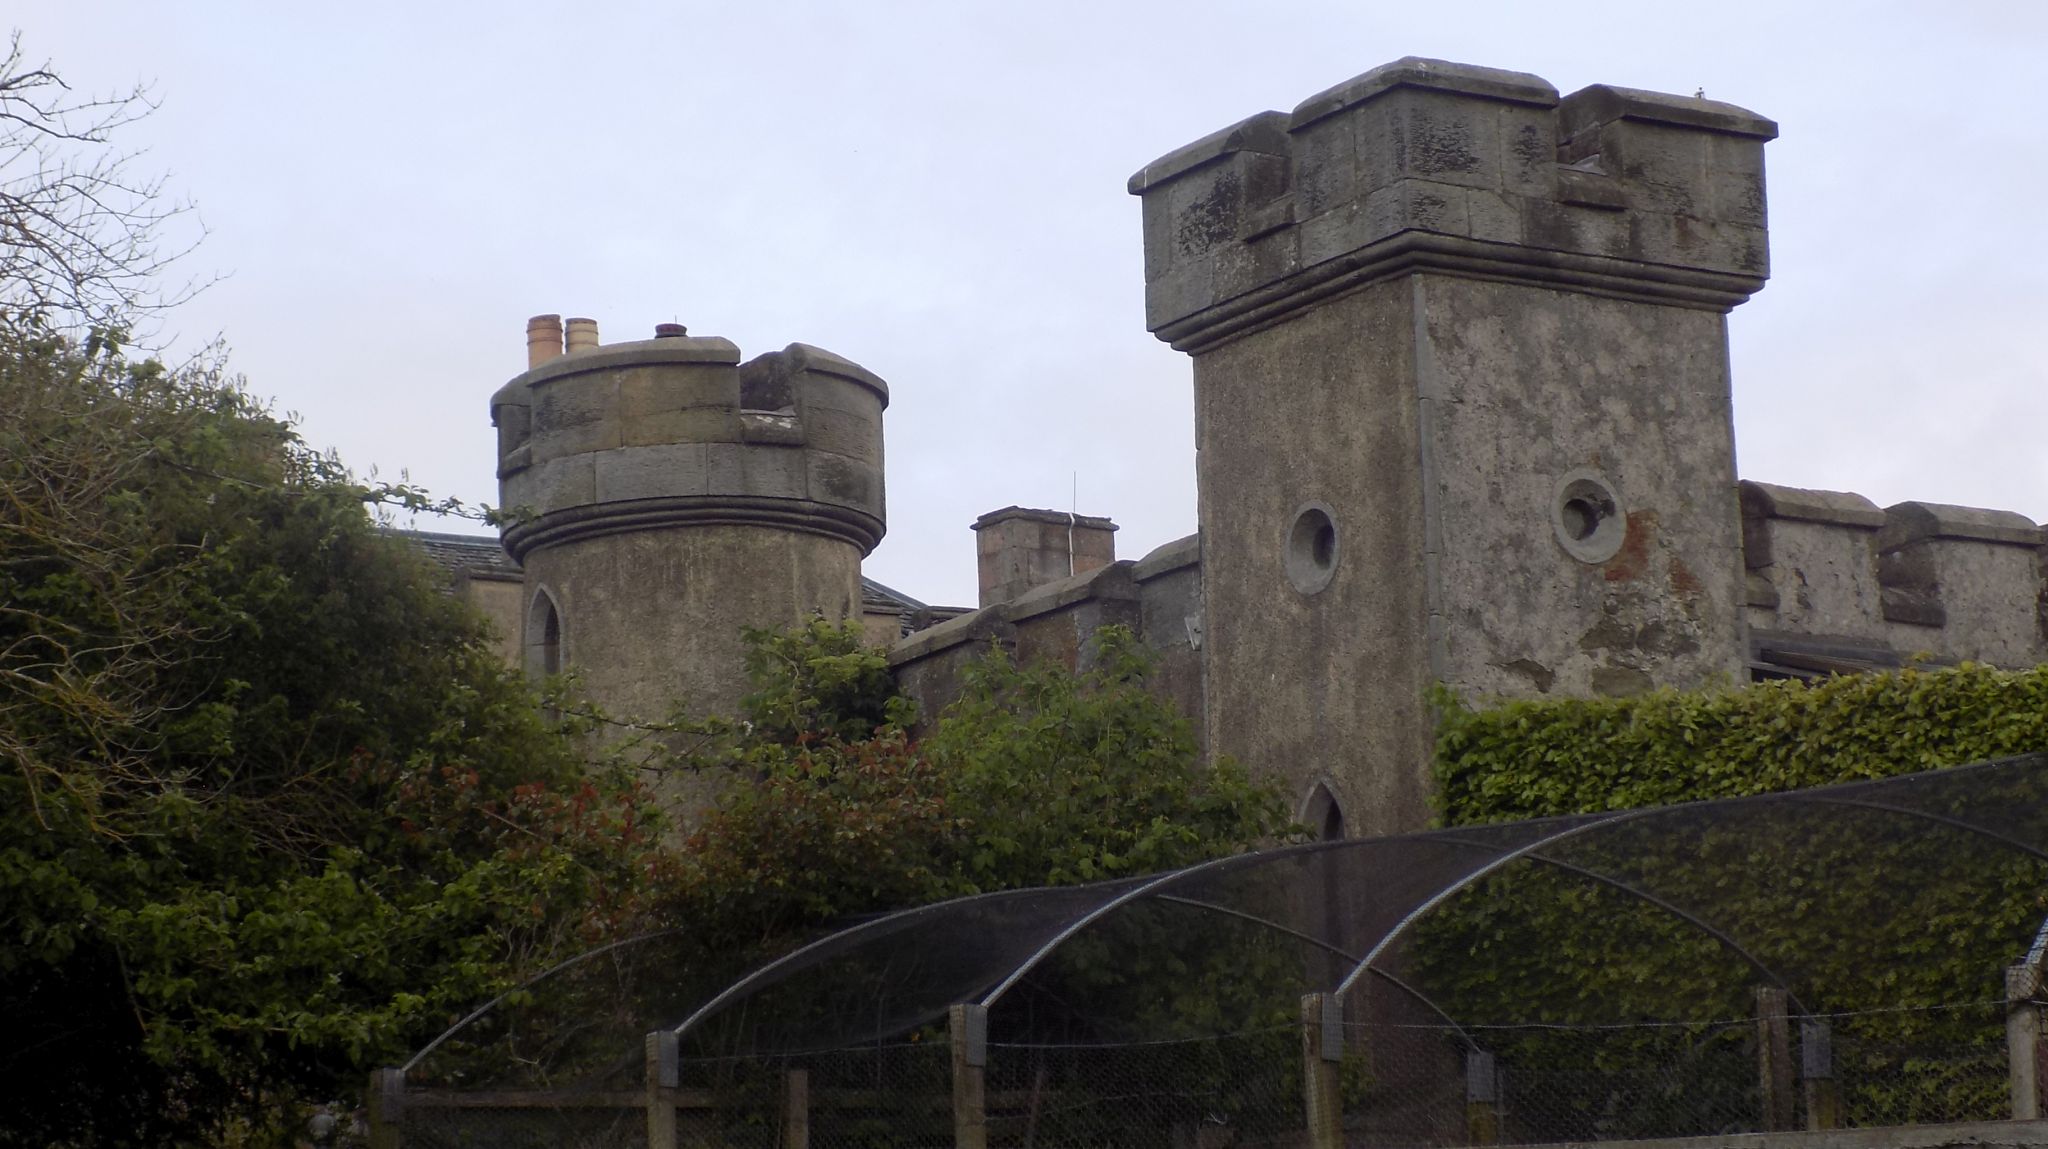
{"type": "Point", "coordinates": [1019, 548]}
{"type": "Point", "coordinates": [1461, 405]}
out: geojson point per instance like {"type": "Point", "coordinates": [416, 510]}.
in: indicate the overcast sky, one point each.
{"type": "Point", "coordinates": [937, 192]}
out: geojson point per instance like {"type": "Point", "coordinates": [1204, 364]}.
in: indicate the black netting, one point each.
{"type": "Point", "coordinates": [1833, 957]}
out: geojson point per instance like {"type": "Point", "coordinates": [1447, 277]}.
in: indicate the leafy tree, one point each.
{"type": "Point", "coordinates": [271, 813]}
{"type": "Point", "coordinates": [1035, 776]}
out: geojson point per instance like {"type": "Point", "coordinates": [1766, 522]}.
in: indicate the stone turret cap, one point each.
{"type": "Point", "coordinates": [1438, 75]}
{"type": "Point", "coordinates": [1906, 523]}
{"type": "Point", "coordinates": [1604, 103]}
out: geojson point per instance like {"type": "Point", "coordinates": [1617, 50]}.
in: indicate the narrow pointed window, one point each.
{"type": "Point", "coordinates": [1322, 814]}
{"type": "Point", "coordinates": [543, 636]}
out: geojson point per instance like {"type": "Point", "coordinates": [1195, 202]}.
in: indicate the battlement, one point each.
{"type": "Point", "coordinates": [1914, 578]}
{"type": "Point", "coordinates": [676, 430]}
{"type": "Point", "coordinates": [1471, 171]}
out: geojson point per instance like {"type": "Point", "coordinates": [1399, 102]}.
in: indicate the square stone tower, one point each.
{"type": "Point", "coordinates": [1462, 406]}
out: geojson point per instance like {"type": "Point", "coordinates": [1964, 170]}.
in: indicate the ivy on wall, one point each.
{"type": "Point", "coordinates": [1543, 757]}
{"type": "Point", "coordinates": [1921, 1040]}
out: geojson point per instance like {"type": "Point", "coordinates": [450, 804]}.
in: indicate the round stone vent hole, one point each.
{"type": "Point", "coordinates": [1587, 517]}
{"type": "Point", "coordinates": [1311, 558]}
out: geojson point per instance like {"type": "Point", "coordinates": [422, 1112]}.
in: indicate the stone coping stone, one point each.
{"type": "Point", "coordinates": [1056, 518]}
{"type": "Point", "coordinates": [1166, 558]}
{"type": "Point", "coordinates": [1108, 583]}
{"type": "Point", "coordinates": [1604, 103]}
{"type": "Point", "coordinates": [1912, 522]}
{"type": "Point", "coordinates": [1436, 75]}
{"type": "Point", "coordinates": [974, 626]}
{"type": "Point", "coordinates": [1843, 508]}
{"type": "Point", "coordinates": [1265, 132]}
{"type": "Point", "coordinates": [808, 358]}
{"type": "Point", "coordinates": [688, 350]}
{"type": "Point", "coordinates": [639, 352]}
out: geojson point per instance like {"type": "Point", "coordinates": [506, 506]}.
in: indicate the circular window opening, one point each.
{"type": "Point", "coordinates": [1311, 558]}
{"type": "Point", "coordinates": [1587, 517]}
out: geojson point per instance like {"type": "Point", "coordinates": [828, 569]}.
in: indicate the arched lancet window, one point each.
{"type": "Point", "coordinates": [543, 635]}
{"type": "Point", "coordinates": [1322, 815]}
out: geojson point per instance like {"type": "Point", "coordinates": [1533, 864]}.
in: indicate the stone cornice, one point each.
{"type": "Point", "coordinates": [594, 519]}
{"type": "Point", "coordinates": [1412, 251]}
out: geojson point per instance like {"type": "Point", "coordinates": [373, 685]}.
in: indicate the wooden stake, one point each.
{"type": "Point", "coordinates": [968, 1025]}
{"type": "Point", "coordinates": [1774, 1058]}
{"type": "Point", "coordinates": [1322, 1049]}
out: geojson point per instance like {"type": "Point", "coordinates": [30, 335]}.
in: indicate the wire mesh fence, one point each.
{"type": "Point", "coordinates": [1387, 1083]}
{"type": "Point", "coordinates": [1860, 956]}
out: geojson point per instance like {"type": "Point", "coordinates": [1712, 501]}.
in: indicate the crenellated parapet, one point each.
{"type": "Point", "coordinates": [1476, 171]}
{"type": "Point", "coordinates": [676, 431]}
{"type": "Point", "coordinates": [1915, 578]}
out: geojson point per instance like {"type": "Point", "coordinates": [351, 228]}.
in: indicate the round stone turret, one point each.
{"type": "Point", "coordinates": [665, 496]}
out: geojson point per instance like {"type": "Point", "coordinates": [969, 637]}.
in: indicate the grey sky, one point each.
{"type": "Point", "coordinates": [937, 192]}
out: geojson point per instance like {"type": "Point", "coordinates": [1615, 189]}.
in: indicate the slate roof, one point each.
{"type": "Point", "coordinates": [471, 556]}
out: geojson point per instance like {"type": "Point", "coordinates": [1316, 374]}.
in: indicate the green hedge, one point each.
{"type": "Point", "coordinates": [1563, 756]}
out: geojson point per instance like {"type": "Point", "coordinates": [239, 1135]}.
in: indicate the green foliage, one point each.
{"type": "Point", "coordinates": [1862, 911]}
{"type": "Point", "coordinates": [1536, 758]}
{"type": "Point", "coordinates": [1061, 777]}
{"type": "Point", "coordinates": [271, 812]}
{"type": "Point", "coordinates": [1035, 776]}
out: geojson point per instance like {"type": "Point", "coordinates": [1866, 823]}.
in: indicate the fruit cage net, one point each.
{"type": "Point", "coordinates": [1858, 955]}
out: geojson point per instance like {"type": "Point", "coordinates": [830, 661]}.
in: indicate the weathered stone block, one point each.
{"type": "Point", "coordinates": [776, 472]}
{"type": "Point", "coordinates": [559, 484]}
{"type": "Point", "coordinates": [843, 481]}
{"type": "Point", "coordinates": [574, 414]}
{"type": "Point", "coordinates": [843, 433]}
{"type": "Point", "coordinates": [653, 472]}
{"type": "Point", "coordinates": [1325, 166]}
{"type": "Point", "coordinates": [648, 390]}
{"type": "Point", "coordinates": [684, 425]}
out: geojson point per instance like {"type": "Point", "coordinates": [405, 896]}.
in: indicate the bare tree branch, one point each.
{"type": "Point", "coordinates": [85, 242]}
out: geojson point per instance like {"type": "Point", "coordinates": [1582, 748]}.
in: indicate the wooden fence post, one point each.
{"type": "Point", "coordinates": [387, 1108]}
{"type": "Point", "coordinates": [1322, 1049]}
{"type": "Point", "coordinates": [1817, 1075]}
{"type": "Point", "coordinates": [796, 1108]}
{"type": "Point", "coordinates": [2023, 1039]}
{"type": "Point", "coordinates": [664, 1074]}
{"type": "Point", "coordinates": [1774, 1059]}
{"type": "Point", "coordinates": [1482, 1098]}
{"type": "Point", "coordinates": [968, 1025]}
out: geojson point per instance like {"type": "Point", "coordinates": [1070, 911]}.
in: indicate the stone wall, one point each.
{"type": "Point", "coordinates": [1911, 580]}
{"type": "Point", "coordinates": [1158, 597]}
